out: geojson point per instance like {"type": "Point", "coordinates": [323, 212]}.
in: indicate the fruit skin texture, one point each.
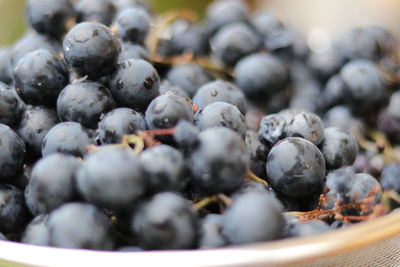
{"type": "Point", "coordinates": [219, 162]}
{"type": "Point", "coordinates": [50, 187]}
{"type": "Point", "coordinates": [50, 17]}
{"type": "Point", "coordinates": [111, 178]}
{"type": "Point", "coordinates": [119, 122]}
{"type": "Point", "coordinates": [30, 42]}
{"type": "Point", "coordinates": [91, 49]}
{"type": "Point", "coordinates": [221, 91]}
{"type": "Point", "coordinates": [295, 167]}
{"type": "Point", "coordinates": [101, 11]}
{"type": "Point", "coordinates": [84, 102]}
{"type": "Point", "coordinates": [260, 75]}
{"type": "Point", "coordinates": [67, 137]}
{"type": "Point", "coordinates": [189, 77]}
{"type": "Point", "coordinates": [234, 41]}
{"type": "Point", "coordinates": [133, 24]}
{"type": "Point", "coordinates": [37, 231]}
{"type": "Point", "coordinates": [36, 122]}
{"type": "Point", "coordinates": [167, 174]}
{"type": "Point", "coordinates": [211, 232]}
{"type": "Point", "coordinates": [39, 77]}
{"type": "Point", "coordinates": [78, 225]}
{"type": "Point", "coordinates": [167, 110]}
{"type": "Point", "coordinates": [167, 221]}
{"type": "Point", "coordinates": [221, 114]}
{"type": "Point", "coordinates": [263, 217]}
{"type": "Point", "coordinates": [364, 87]}
{"type": "Point", "coordinates": [339, 148]}
{"type": "Point", "coordinates": [11, 106]}
{"type": "Point", "coordinates": [12, 153]}
{"type": "Point", "coordinates": [390, 177]}
{"type": "Point", "coordinates": [135, 84]}
{"type": "Point", "coordinates": [13, 212]}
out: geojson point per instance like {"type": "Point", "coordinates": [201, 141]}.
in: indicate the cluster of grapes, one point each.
{"type": "Point", "coordinates": [125, 130]}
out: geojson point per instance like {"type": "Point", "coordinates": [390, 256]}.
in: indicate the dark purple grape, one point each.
{"type": "Point", "coordinates": [295, 167]}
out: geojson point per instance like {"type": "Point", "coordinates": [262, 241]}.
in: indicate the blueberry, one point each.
{"type": "Point", "coordinates": [221, 91]}
{"type": "Point", "coordinates": [11, 107]}
{"type": "Point", "coordinates": [189, 77]}
{"type": "Point", "coordinates": [264, 219]}
{"type": "Point", "coordinates": [133, 51]}
{"type": "Point", "coordinates": [30, 42]}
{"type": "Point", "coordinates": [295, 167]}
{"type": "Point", "coordinates": [167, 110]}
{"type": "Point", "coordinates": [119, 122]}
{"type": "Point", "coordinates": [211, 232]}
{"type": "Point", "coordinates": [35, 124]}
{"type": "Point", "coordinates": [390, 177]}
{"type": "Point", "coordinates": [39, 77]}
{"type": "Point", "coordinates": [68, 138]}
{"type": "Point", "coordinates": [84, 102]}
{"type": "Point", "coordinates": [13, 212]}
{"type": "Point", "coordinates": [339, 148]}
{"type": "Point", "coordinates": [50, 187]}
{"type": "Point", "coordinates": [261, 75]}
{"type": "Point", "coordinates": [37, 231]}
{"type": "Point", "coordinates": [50, 17]}
{"type": "Point", "coordinates": [306, 96]}
{"type": "Point", "coordinates": [167, 174]}
{"type": "Point", "coordinates": [78, 225]}
{"type": "Point", "coordinates": [12, 152]}
{"type": "Point", "coordinates": [234, 41]}
{"type": "Point", "coordinates": [91, 49]}
{"type": "Point", "coordinates": [111, 178]}
{"type": "Point", "coordinates": [135, 84]}
{"type": "Point", "coordinates": [219, 162]}
{"type": "Point", "coordinates": [167, 221]}
{"type": "Point", "coordinates": [101, 11]}
{"type": "Point", "coordinates": [133, 24]}
{"type": "Point", "coordinates": [221, 114]}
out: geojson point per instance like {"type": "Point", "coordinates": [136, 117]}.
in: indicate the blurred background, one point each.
{"type": "Point", "coordinates": [309, 17]}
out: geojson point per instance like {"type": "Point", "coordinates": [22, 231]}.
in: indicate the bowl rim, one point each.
{"type": "Point", "coordinates": [280, 252]}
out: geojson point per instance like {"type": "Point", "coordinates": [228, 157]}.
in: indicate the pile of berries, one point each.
{"type": "Point", "coordinates": [121, 129]}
